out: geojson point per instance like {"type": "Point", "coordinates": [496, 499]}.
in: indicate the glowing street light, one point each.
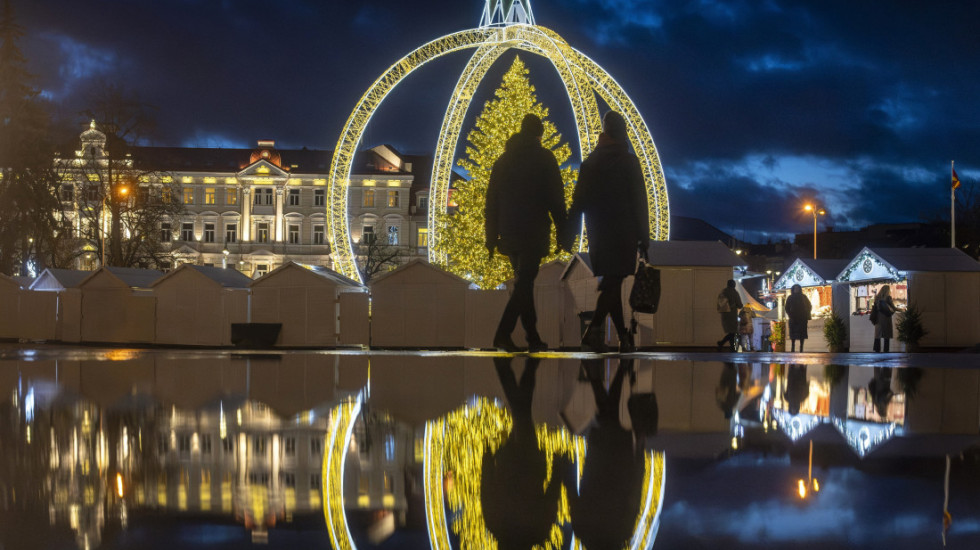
{"type": "Point", "coordinates": [813, 209]}
{"type": "Point", "coordinates": [123, 191]}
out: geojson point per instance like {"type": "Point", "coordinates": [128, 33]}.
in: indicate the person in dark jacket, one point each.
{"type": "Point", "coordinates": [524, 197]}
{"type": "Point", "coordinates": [886, 309]}
{"type": "Point", "coordinates": [798, 309]}
{"type": "Point", "coordinates": [610, 194]}
{"type": "Point", "coordinates": [729, 315]}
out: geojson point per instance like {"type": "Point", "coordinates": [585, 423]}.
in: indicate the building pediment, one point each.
{"type": "Point", "coordinates": [262, 168]}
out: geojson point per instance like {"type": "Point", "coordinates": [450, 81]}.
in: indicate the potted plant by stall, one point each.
{"type": "Point", "coordinates": [835, 332]}
{"type": "Point", "coordinates": [910, 329]}
{"type": "Point", "coordinates": [777, 335]}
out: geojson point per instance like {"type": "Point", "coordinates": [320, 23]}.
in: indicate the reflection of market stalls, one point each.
{"type": "Point", "coordinates": [52, 309]}
{"type": "Point", "coordinates": [817, 278]}
{"type": "Point", "coordinates": [117, 305]}
{"type": "Point", "coordinates": [310, 303]}
{"type": "Point", "coordinates": [944, 283]}
{"type": "Point", "coordinates": [418, 305]}
{"type": "Point", "coordinates": [196, 305]}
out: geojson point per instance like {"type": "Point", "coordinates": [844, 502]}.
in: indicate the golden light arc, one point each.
{"type": "Point", "coordinates": [583, 80]}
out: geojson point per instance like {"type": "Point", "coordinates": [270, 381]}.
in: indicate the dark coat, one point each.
{"type": "Point", "coordinates": [611, 194]}
{"type": "Point", "coordinates": [798, 310]}
{"type": "Point", "coordinates": [729, 319]}
{"type": "Point", "coordinates": [525, 189]}
{"type": "Point", "coordinates": [885, 326]}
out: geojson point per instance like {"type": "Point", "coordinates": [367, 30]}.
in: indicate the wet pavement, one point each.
{"type": "Point", "coordinates": [164, 448]}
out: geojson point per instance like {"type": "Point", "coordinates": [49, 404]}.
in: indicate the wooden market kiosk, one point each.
{"type": "Point", "coordinates": [944, 283]}
{"type": "Point", "coordinates": [819, 281]}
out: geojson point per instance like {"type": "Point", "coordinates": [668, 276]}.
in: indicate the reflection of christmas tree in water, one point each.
{"type": "Point", "coordinates": [464, 237]}
{"type": "Point", "coordinates": [459, 448]}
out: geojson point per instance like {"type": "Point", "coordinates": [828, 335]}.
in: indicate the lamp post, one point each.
{"type": "Point", "coordinates": [814, 210]}
{"type": "Point", "coordinates": [123, 190]}
{"type": "Point", "coordinates": [224, 258]}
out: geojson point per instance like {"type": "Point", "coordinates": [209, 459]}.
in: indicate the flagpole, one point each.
{"type": "Point", "coordinates": [952, 205]}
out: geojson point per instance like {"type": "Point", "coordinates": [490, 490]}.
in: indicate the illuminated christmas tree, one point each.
{"type": "Point", "coordinates": [463, 238]}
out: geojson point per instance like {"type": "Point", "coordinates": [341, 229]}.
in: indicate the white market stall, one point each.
{"type": "Point", "coordinates": [944, 283]}
{"type": "Point", "coordinates": [817, 277]}
{"type": "Point", "coordinates": [196, 305]}
{"type": "Point", "coordinates": [418, 305]}
{"type": "Point", "coordinates": [118, 305]}
{"type": "Point", "coordinates": [51, 308]}
{"type": "Point", "coordinates": [306, 300]}
{"type": "Point", "coordinates": [9, 304]}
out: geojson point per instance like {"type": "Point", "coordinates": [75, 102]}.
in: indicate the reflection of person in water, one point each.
{"type": "Point", "coordinates": [605, 507]}
{"type": "Point", "coordinates": [518, 507]}
{"type": "Point", "coordinates": [728, 390]}
{"type": "Point", "coordinates": [880, 390]}
{"type": "Point", "coordinates": [797, 388]}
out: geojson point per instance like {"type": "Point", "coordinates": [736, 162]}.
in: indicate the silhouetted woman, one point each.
{"type": "Point", "coordinates": [798, 309]}
{"type": "Point", "coordinates": [886, 308]}
{"type": "Point", "coordinates": [611, 195]}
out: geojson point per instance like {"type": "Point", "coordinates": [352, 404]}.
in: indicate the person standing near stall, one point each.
{"type": "Point", "coordinates": [885, 308]}
{"type": "Point", "coordinates": [798, 308]}
{"type": "Point", "coordinates": [729, 303]}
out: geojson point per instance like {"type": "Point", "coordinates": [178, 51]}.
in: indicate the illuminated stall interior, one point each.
{"type": "Point", "coordinates": [817, 278]}
{"type": "Point", "coordinates": [943, 283]}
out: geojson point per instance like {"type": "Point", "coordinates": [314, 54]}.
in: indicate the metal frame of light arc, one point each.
{"type": "Point", "coordinates": [582, 78]}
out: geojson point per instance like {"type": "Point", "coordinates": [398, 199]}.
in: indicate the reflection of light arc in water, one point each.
{"type": "Point", "coordinates": [338, 437]}
{"type": "Point", "coordinates": [582, 78]}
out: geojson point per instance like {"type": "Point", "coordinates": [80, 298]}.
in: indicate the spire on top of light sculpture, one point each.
{"type": "Point", "coordinates": [507, 12]}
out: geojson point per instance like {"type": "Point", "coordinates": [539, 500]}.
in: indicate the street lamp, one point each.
{"type": "Point", "coordinates": [224, 259]}
{"type": "Point", "coordinates": [814, 210]}
{"type": "Point", "coordinates": [123, 190]}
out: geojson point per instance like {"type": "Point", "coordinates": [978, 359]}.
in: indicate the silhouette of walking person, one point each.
{"type": "Point", "coordinates": [611, 195]}
{"type": "Point", "coordinates": [518, 508]}
{"type": "Point", "coordinates": [524, 197]}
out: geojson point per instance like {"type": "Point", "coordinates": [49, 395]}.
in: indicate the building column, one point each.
{"type": "Point", "coordinates": [279, 217]}
{"type": "Point", "coordinates": [245, 231]}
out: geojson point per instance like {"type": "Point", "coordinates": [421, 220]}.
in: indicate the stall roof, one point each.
{"type": "Point", "coordinates": [59, 279]}
{"type": "Point", "coordinates": [693, 253]}
{"type": "Point", "coordinates": [893, 263]}
{"type": "Point", "coordinates": [322, 272]}
{"type": "Point", "coordinates": [414, 265]}
{"type": "Point", "coordinates": [810, 272]}
{"type": "Point", "coordinates": [132, 277]}
{"type": "Point", "coordinates": [578, 258]}
{"type": "Point", "coordinates": [228, 278]}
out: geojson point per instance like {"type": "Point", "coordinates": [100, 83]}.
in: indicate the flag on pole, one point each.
{"type": "Point", "coordinates": [956, 180]}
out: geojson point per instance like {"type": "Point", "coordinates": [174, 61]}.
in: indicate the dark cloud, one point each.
{"type": "Point", "coordinates": [880, 96]}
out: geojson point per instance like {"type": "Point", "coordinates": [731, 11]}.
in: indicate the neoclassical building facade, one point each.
{"type": "Point", "coordinates": [254, 209]}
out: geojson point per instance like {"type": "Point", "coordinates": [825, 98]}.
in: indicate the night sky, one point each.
{"type": "Point", "coordinates": [754, 106]}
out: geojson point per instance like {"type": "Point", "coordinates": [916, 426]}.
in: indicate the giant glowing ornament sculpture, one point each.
{"type": "Point", "coordinates": [505, 24]}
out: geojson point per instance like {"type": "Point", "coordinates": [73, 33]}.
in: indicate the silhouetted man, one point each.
{"type": "Point", "coordinates": [525, 189]}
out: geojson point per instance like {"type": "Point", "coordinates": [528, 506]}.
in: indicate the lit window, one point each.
{"type": "Point", "coordinates": [209, 195]}
{"type": "Point", "coordinates": [293, 234]}
{"type": "Point", "coordinates": [188, 196]}
{"type": "Point", "coordinates": [166, 234]}
{"type": "Point", "coordinates": [318, 235]}
{"type": "Point", "coordinates": [368, 199]}
{"type": "Point", "coordinates": [262, 232]}
{"type": "Point", "coordinates": [166, 195]}
{"type": "Point", "coordinates": [231, 232]}
{"type": "Point", "coordinates": [187, 231]}
{"type": "Point", "coordinates": [294, 197]}
{"type": "Point", "coordinates": [423, 237]}
{"type": "Point", "coordinates": [392, 234]}
{"type": "Point", "coordinates": [392, 199]}
{"type": "Point", "coordinates": [231, 196]}
{"type": "Point", "coordinates": [319, 197]}
{"type": "Point", "coordinates": [209, 232]}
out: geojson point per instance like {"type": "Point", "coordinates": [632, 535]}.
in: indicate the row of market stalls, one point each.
{"type": "Point", "coordinates": [415, 306]}
{"type": "Point", "coordinates": [942, 283]}
{"type": "Point", "coordinates": [421, 306]}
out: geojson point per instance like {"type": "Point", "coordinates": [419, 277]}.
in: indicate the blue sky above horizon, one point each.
{"type": "Point", "coordinates": [755, 106]}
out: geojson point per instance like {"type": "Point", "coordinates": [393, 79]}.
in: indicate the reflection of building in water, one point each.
{"type": "Point", "coordinates": [239, 457]}
{"type": "Point", "coordinates": [379, 457]}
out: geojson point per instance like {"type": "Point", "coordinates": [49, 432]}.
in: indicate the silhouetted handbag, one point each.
{"type": "Point", "coordinates": [645, 296]}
